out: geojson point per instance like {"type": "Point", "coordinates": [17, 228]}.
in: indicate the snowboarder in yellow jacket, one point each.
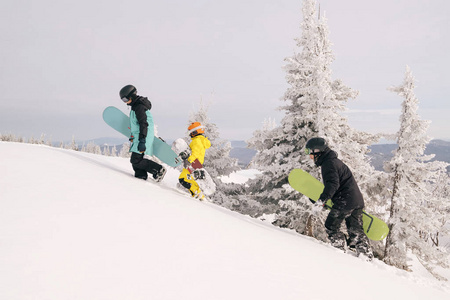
{"type": "Point", "coordinates": [198, 146]}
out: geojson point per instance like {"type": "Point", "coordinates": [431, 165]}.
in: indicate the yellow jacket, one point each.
{"type": "Point", "coordinates": [198, 146]}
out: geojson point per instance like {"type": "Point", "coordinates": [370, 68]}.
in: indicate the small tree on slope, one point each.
{"type": "Point", "coordinates": [415, 212]}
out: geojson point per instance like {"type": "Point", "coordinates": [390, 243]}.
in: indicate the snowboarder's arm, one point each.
{"type": "Point", "coordinates": [207, 143]}
{"type": "Point", "coordinates": [141, 117]}
{"type": "Point", "coordinates": [196, 150]}
{"type": "Point", "coordinates": [330, 178]}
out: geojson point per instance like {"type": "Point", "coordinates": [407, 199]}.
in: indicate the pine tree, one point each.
{"type": "Point", "coordinates": [41, 140]}
{"type": "Point", "coordinates": [125, 151]}
{"type": "Point", "coordinates": [441, 190]}
{"type": "Point", "coordinates": [90, 147]}
{"type": "Point", "coordinates": [281, 149]}
{"type": "Point", "coordinates": [20, 139]}
{"type": "Point", "coordinates": [315, 104]}
{"type": "Point", "coordinates": [106, 150]}
{"type": "Point", "coordinates": [114, 151]}
{"type": "Point", "coordinates": [73, 145]}
{"type": "Point", "coordinates": [7, 137]}
{"type": "Point", "coordinates": [262, 140]}
{"type": "Point", "coordinates": [49, 142]}
{"type": "Point", "coordinates": [415, 212]}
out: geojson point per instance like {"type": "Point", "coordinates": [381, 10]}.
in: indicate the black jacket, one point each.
{"type": "Point", "coordinates": [340, 185]}
{"type": "Point", "coordinates": [140, 105]}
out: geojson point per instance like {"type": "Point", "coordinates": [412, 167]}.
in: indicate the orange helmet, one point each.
{"type": "Point", "coordinates": [196, 128]}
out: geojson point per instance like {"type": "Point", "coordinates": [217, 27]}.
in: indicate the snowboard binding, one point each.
{"type": "Point", "coordinates": [197, 174]}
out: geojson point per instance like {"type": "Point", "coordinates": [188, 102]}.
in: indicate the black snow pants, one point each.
{"type": "Point", "coordinates": [353, 220]}
{"type": "Point", "coordinates": [142, 166]}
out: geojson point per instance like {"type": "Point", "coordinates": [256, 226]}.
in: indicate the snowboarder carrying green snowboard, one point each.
{"type": "Point", "coordinates": [348, 203]}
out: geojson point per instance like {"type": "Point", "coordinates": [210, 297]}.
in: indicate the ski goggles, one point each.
{"type": "Point", "coordinates": [125, 99]}
{"type": "Point", "coordinates": [196, 129]}
{"type": "Point", "coordinates": [311, 152]}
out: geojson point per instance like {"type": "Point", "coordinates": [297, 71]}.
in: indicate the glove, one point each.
{"type": "Point", "coordinates": [320, 203]}
{"type": "Point", "coordinates": [186, 164]}
{"type": "Point", "coordinates": [131, 138]}
{"type": "Point", "coordinates": [318, 207]}
{"type": "Point", "coordinates": [184, 155]}
{"type": "Point", "coordinates": [141, 146]}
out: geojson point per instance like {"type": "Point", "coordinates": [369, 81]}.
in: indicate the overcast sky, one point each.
{"type": "Point", "coordinates": [63, 62]}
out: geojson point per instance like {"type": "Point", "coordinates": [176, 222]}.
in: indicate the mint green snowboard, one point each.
{"type": "Point", "coordinates": [303, 182]}
{"type": "Point", "coordinates": [115, 118]}
{"type": "Point", "coordinates": [119, 121]}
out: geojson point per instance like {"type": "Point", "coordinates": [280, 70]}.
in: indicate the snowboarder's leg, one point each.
{"type": "Point", "coordinates": [354, 227]}
{"type": "Point", "coordinates": [196, 192]}
{"type": "Point", "coordinates": [136, 160]}
{"type": "Point", "coordinates": [186, 183]}
{"type": "Point", "coordinates": [333, 226]}
{"type": "Point", "coordinates": [191, 185]}
{"type": "Point", "coordinates": [142, 165]}
{"type": "Point", "coordinates": [357, 237]}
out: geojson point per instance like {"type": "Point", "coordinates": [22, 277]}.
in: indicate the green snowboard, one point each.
{"type": "Point", "coordinates": [115, 118]}
{"type": "Point", "coordinates": [309, 186]}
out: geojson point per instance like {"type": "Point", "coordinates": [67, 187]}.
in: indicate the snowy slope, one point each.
{"type": "Point", "coordinates": [80, 226]}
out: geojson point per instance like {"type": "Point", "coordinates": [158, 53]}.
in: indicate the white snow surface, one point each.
{"type": "Point", "coordinates": [240, 177]}
{"type": "Point", "coordinates": [79, 226]}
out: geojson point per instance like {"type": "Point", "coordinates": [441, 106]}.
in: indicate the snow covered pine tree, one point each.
{"type": "Point", "coordinates": [414, 211]}
{"type": "Point", "coordinates": [315, 103]}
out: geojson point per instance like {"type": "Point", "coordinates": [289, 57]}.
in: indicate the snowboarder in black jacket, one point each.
{"type": "Point", "coordinates": [348, 202]}
{"type": "Point", "coordinates": [142, 135]}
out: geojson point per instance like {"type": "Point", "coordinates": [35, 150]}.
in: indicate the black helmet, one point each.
{"type": "Point", "coordinates": [315, 143]}
{"type": "Point", "coordinates": [126, 92]}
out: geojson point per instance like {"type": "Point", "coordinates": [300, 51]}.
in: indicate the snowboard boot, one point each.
{"type": "Point", "coordinates": [159, 176]}
{"type": "Point", "coordinates": [197, 193]}
{"type": "Point", "coordinates": [337, 239]}
{"type": "Point", "coordinates": [340, 244]}
{"type": "Point", "coordinates": [351, 244]}
{"type": "Point", "coordinates": [365, 250]}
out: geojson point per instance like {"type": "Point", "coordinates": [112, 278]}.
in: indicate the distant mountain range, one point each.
{"type": "Point", "coordinates": [379, 152]}
{"type": "Point", "coordinates": [242, 153]}
{"type": "Point", "coordinates": [383, 152]}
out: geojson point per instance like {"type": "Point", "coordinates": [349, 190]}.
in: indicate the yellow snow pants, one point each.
{"type": "Point", "coordinates": [194, 189]}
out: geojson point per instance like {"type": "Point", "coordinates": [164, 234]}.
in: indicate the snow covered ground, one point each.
{"type": "Point", "coordinates": [239, 177]}
{"type": "Point", "coordinates": [80, 226]}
